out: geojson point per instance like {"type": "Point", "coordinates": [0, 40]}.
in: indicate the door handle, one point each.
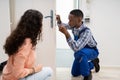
{"type": "Point", "coordinates": [51, 18]}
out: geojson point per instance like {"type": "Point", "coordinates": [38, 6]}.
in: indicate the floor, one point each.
{"type": "Point", "coordinates": [106, 73]}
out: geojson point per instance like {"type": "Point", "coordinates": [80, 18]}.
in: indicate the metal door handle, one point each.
{"type": "Point", "coordinates": [51, 18]}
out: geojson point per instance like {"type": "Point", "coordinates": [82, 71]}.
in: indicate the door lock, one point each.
{"type": "Point", "coordinates": [51, 18]}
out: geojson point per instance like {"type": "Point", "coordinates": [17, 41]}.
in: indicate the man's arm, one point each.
{"type": "Point", "coordinates": [81, 42]}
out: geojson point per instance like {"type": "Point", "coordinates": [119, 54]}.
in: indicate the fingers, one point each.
{"type": "Point", "coordinates": [38, 68]}
{"type": "Point", "coordinates": [62, 29]}
{"type": "Point", "coordinates": [58, 17]}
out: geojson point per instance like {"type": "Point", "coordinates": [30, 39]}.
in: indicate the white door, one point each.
{"type": "Point", "coordinates": [4, 26]}
{"type": "Point", "coordinates": [47, 47]}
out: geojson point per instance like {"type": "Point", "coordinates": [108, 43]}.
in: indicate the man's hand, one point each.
{"type": "Point", "coordinates": [64, 31]}
{"type": "Point", "coordinates": [58, 19]}
{"type": "Point", "coordinates": [62, 28]}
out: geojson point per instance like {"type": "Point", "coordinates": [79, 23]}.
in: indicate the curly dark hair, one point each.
{"type": "Point", "coordinates": [29, 26]}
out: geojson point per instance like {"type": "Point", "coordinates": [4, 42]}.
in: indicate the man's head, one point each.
{"type": "Point", "coordinates": [75, 18]}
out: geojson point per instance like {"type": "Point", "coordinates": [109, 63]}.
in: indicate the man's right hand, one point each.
{"type": "Point", "coordinates": [64, 31]}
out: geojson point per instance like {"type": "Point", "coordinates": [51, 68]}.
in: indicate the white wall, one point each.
{"type": "Point", "coordinates": [105, 25]}
{"type": "Point", "coordinates": [4, 26]}
{"type": "Point", "coordinates": [104, 22]}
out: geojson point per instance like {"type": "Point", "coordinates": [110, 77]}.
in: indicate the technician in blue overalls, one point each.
{"type": "Point", "coordinates": [83, 44]}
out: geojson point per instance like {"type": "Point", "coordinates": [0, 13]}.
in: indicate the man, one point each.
{"type": "Point", "coordinates": [83, 45]}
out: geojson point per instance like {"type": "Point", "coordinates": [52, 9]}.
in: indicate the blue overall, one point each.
{"type": "Point", "coordinates": [82, 64]}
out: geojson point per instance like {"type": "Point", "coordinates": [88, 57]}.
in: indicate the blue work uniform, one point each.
{"type": "Point", "coordinates": [82, 64]}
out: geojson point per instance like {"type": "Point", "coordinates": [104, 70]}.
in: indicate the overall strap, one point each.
{"type": "Point", "coordinates": [83, 30]}
{"type": "Point", "coordinates": [77, 37]}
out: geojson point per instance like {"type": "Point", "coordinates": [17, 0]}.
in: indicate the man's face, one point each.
{"type": "Point", "coordinates": [73, 21]}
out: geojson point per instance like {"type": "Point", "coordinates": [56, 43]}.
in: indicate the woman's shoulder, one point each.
{"type": "Point", "coordinates": [26, 44]}
{"type": "Point", "coordinates": [26, 47]}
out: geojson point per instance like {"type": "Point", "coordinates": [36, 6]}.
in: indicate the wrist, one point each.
{"type": "Point", "coordinates": [67, 34]}
{"type": "Point", "coordinates": [33, 69]}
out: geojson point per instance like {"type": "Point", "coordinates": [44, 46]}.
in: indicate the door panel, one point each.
{"type": "Point", "coordinates": [4, 26]}
{"type": "Point", "coordinates": [46, 48]}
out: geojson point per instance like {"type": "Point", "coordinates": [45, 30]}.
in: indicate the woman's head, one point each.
{"type": "Point", "coordinates": [29, 26]}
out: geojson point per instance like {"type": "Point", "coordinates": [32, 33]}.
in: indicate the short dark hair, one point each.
{"type": "Point", "coordinates": [77, 13]}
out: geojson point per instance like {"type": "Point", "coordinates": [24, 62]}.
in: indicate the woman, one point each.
{"type": "Point", "coordinates": [20, 47]}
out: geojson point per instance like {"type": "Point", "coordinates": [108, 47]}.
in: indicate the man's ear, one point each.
{"type": "Point", "coordinates": [79, 19]}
